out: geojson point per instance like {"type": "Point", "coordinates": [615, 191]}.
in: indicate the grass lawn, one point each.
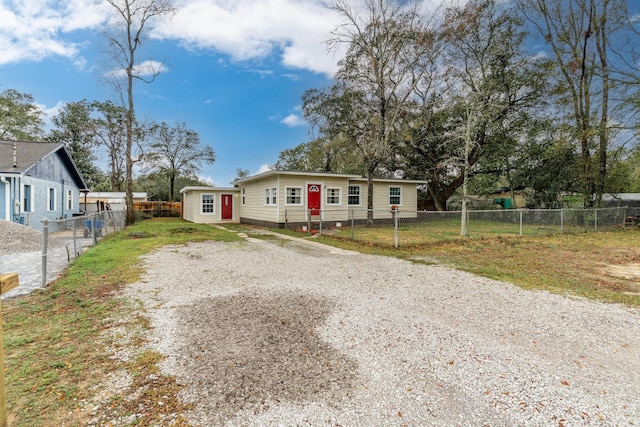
{"type": "Point", "coordinates": [602, 265]}
{"type": "Point", "coordinates": [59, 341]}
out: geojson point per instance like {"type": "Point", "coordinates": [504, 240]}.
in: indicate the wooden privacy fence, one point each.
{"type": "Point", "coordinates": [159, 208]}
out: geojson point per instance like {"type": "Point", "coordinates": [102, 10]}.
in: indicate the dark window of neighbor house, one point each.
{"type": "Point", "coordinates": [26, 203]}
{"type": "Point", "coordinates": [51, 199]}
{"type": "Point", "coordinates": [354, 194]}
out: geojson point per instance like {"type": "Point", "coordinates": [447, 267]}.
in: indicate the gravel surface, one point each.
{"type": "Point", "coordinates": [284, 333]}
{"type": "Point", "coordinates": [21, 252]}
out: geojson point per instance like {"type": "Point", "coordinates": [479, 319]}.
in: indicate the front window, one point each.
{"type": "Point", "coordinates": [395, 196]}
{"type": "Point", "coordinates": [270, 196]}
{"type": "Point", "coordinates": [333, 196]}
{"type": "Point", "coordinates": [208, 203]}
{"type": "Point", "coordinates": [354, 194]}
{"type": "Point", "coordinates": [294, 196]}
{"type": "Point", "coordinates": [51, 199]}
{"type": "Point", "coordinates": [244, 194]}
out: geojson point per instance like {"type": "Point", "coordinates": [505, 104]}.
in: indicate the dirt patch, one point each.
{"type": "Point", "coordinates": [260, 350]}
{"type": "Point", "coordinates": [625, 271]}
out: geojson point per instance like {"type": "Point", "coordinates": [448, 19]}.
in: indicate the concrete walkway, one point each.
{"type": "Point", "coordinates": [28, 265]}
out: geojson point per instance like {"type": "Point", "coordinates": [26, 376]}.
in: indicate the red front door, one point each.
{"type": "Point", "coordinates": [314, 198]}
{"type": "Point", "coordinates": [227, 206]}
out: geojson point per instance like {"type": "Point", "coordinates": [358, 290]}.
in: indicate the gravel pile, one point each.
{"type": "Point", "coordinates": [16, 238]}
{"type": "Point", "coordinates": [289, 334]}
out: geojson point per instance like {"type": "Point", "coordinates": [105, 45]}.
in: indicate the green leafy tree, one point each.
{"type": "Point", "coordinates": [110, 133]}
{"type": "Point", "coordinates": [20, 117]}
{"type": "Point", "coordinates": [175, 151]}
{"type": "Point", "coordinates": [488, 92]}
{"type": "Point", "coordinates": [74, 127]}
{"type": "Point", "coordinates": [158, 187]}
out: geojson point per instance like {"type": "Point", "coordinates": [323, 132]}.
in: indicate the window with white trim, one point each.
{"type": "Point", "coordinates": [51, 199]}
{"type": "Point", "coordinates": [354, 195]}
{"type": "Point", "coordinates": [395, 196]}
{"type": "Point", "coordinates": [271, 196]}
{"type": "Point", "coordinates": [208, 204]}
{"type": "Point", "coordinates": [27, 200]}
{"type": "Point", "coordinates": [294, 196]}
{"type": "Point", "coordinates": [69, 199]}
{"type": "Point", "coordinates": [244, 195]}
{"type": "Point", "coordinates": [333, 196]}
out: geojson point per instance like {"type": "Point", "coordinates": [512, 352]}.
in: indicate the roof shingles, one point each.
{"type": "Point", "coordinates": [27, 154]}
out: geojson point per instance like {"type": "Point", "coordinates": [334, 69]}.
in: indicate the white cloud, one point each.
{"type": "Point", "coordinates": [293, 120]}
{"type": "Point", "coordinates": [144, 69]}
{"type": "Point", "coordinates": [34, 29]}
{"type": "Point", "coordinates": [246, 29]}
{"type": "Point", "coordinates": [297, 30]}
{"type": "Point", "coordinates": [264, 168]}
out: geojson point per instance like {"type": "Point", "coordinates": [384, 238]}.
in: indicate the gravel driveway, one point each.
{"type": "Point", "coordinates": [284, 333]}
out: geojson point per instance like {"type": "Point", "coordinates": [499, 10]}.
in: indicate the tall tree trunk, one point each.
{"type": "Point", "coordinates": [603, 131]}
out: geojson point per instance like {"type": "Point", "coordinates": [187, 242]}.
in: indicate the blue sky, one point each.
{"type": "Point", "coordinates": [233, 71]}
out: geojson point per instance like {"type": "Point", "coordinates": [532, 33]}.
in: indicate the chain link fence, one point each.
{"type": "Point", "coordinates": [75, 235]}
{"type": "Point", "coordinates": [398, 227]}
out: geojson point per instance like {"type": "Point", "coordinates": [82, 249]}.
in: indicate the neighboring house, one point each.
{"type": "Point", "coordinates": [621, 199]}
{"type": "Point", "coordinates": [276, 198]}
{"type": "Point", "coordinates": [95, 201]}
{"type": "Point", "coordinates": [38, 180]}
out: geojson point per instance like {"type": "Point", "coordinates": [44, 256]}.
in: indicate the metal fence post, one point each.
{"type": "Point", "coordinates": [595, 219]}
{"type": "Point", "coordinates": [352, 230]}
{"type": "Point", "coordinates": [520, 223]}
{"type": "Point", "coordinates": [561, 220]}
{"type": "Point", "coordinates": [75, 245]}
{"type": "Point", "coordinates": [396, 214]}
{"type": "Point", "coordinates": [93, 229]}
{"type": "Point", "coordinates": [45, 243]}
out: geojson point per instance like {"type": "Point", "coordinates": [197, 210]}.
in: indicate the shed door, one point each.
{"type": "Point", "coordinates": [227, 206]}
{"type": "Point", "coordinates": [314, 198]}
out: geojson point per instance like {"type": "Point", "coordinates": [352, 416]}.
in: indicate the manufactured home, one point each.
{"type": "Point", "coordinates": [280, 198]}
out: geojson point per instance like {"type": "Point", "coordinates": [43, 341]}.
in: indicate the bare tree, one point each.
{"type": "Point", "coordinates": [580, 34]}
{"type": "Point", "coordinates": [176, 151]}
{"type": "Point", "coordinates": [387, 41]}
{"type": "Point", "coordinates": [133, 18]}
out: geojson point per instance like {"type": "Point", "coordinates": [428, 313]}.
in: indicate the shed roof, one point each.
{"type": "Point", "coordinates": [203, 188]}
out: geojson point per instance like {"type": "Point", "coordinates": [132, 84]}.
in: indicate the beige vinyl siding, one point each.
{"type": "Point", "coordinates": [381, 205]}
{"type": "Point", "coordinates": [296, 211]}
{"type": "Point", "coordinates": [187, 206]}
{"type": "Point", "coordinates": [254, 206]}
